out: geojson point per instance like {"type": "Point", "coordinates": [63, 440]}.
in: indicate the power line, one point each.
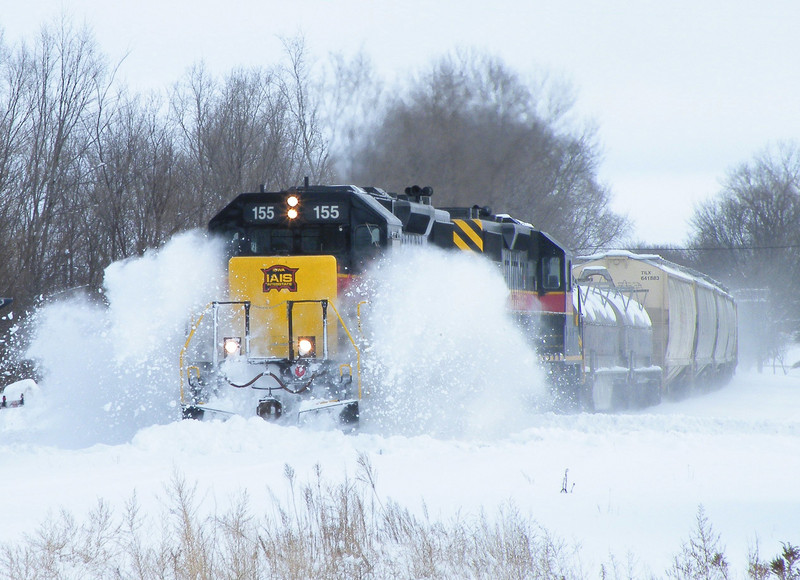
{"type": "Point", "coordinates": [690, 249]}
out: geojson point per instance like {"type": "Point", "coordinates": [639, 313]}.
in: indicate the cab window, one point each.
{"type": "Point", "coordinates": [324, 240]}
{"type": "Point", "coordinates": [551, 272]}
{"type": "Point", "coordinates": [366, 245]}
{"type": "Point", "coordinates": [281, 242]}
{"type": "Point", "coordinates": [366, 236]}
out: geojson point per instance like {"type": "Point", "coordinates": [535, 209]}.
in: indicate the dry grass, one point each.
{"type": "Point", "coordinates": [320, 530]}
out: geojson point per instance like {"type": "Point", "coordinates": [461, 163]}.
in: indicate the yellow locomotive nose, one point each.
{"type": "Point", "coordinates": [268, 282]}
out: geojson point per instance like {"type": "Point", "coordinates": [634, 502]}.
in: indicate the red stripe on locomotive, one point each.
{"type": "Point", "coordinates": [550, 302]}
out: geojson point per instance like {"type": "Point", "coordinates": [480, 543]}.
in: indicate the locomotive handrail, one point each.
{"type": "Point", "coordinates": [358, 315]}
{"type": "Point", "coordinates": [353, 342]}
{"type": "Point", "coordinates": [196, 324]}
{"type": "Point", "coordinates": [194, 327]}
{"type": "Point", "coordinates": [185, 347]}
{"type": "Point", "coordinates": [328, 302]}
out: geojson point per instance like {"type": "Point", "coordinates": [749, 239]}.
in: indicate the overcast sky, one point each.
{"type": "Point", "coordinates": [681, 92]}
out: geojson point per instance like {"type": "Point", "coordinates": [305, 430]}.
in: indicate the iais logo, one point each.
{"type": "Point", "coordinates": [280, 277]}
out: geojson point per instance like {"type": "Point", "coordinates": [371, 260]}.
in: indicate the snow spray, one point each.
{"type": "Point", "coordinates": [445, 357]}
{"type": "Point", "coordinates": [110, 370]}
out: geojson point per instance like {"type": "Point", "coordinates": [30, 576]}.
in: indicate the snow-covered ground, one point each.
{"type": "Point", "coordinates": [634, 481]}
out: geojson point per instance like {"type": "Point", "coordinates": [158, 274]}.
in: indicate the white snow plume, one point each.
{"type": "Point", "coordinates": [445, 357]}
{"type": "Point", "coordinates": [109, 371]}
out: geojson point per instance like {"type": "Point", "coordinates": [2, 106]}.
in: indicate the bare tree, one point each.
{"type": "Point", "coordinates": [49, 92]}
{"type": "Point", "coordinates": [473, 130]}
{"type": "Point", "coordinates": [14, 113]}
{"type": "Point", "coordinates": [134, 183]}
{"type": "Point", "coordinates": [191, 105]}
{"type": "Point", "coordinates": [748, 237]}
{"type": "Point", "coordinates": [748, 234]}
{"type": "Point", "coordinates": [258, 126]}
{"type": "Point", "coordinates": [307, 136]}
{"type": "Point", "coordinates": [353, 100]}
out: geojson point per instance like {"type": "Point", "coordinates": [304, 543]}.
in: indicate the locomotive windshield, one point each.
{"type": "Point", "coordinates": [300, 240]}
{"type": "Point", "coordinates": [306, 240]}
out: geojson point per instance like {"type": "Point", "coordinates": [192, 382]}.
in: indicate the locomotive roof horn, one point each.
{"type": "Point", "coordinates": [418, 193]}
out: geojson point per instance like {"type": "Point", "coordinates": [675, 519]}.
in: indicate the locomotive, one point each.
{"type": "Point", "coordinates": [286, 340]}
{"type": "Point", "coordinates": [286, 331]}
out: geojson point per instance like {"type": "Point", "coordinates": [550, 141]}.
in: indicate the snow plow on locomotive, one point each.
{"type": "Point", "coordinates": [285, 343]}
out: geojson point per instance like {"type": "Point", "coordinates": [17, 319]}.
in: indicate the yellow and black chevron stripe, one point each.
{"type": "Point", "coordinates": [468, 235]}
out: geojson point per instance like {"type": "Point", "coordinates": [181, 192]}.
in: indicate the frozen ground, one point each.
{"type": "Point", "coordinates": [634, 481]}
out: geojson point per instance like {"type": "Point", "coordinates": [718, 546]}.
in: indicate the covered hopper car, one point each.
{"type": "Point", "coordinates": [694, 318]}
{"type": "Point", "coordinates": [616, 344]}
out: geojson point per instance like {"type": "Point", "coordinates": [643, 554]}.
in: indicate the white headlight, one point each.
{"type": "Point", "coordinates": [232, 345]}
{"type": "Point", "coordinates": [305, 346]}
